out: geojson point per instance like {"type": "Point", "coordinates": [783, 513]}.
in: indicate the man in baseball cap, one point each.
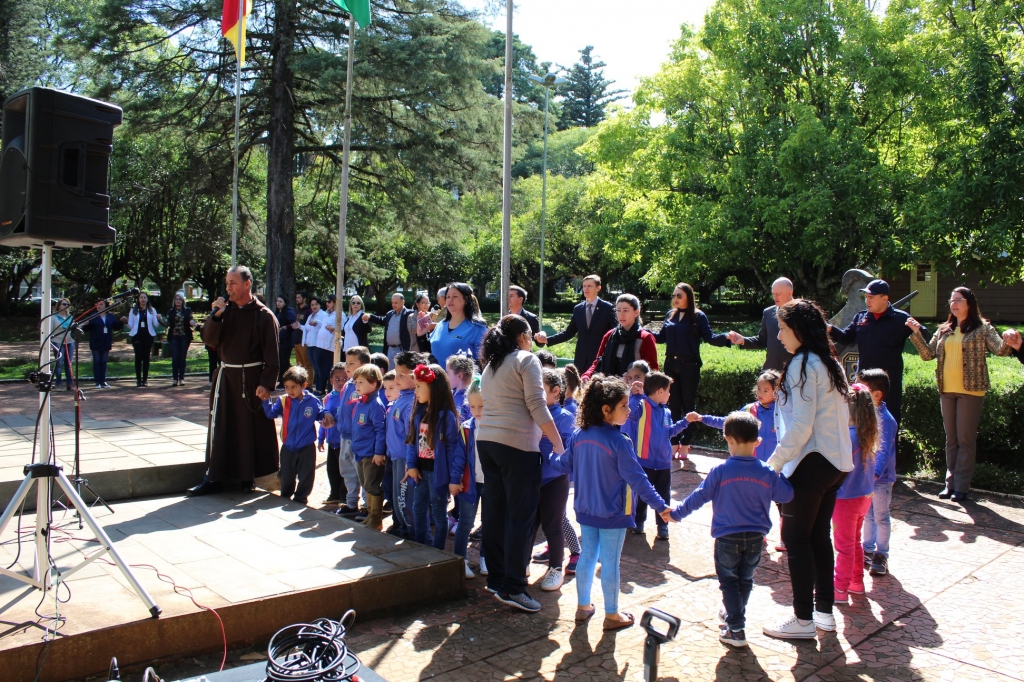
{"type": "Point", "coordinates": [880, 333]}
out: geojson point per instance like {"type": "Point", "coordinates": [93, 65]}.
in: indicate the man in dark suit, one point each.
{"type": "Point", "coordinates": [516, 299]}
{"type": "Point", "coordinates": [396, 327]}
{"type": "Point", "coordinates": [591, 320]}
{"type": "Point", "coordinates": [768, 337]}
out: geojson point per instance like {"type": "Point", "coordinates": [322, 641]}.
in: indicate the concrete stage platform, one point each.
{"type": "Point", "coordinates": [122, 459]}
{"type": "Point", "coordinates": [260, 561]}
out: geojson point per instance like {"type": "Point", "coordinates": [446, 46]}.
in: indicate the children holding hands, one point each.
{"type": "Point", "coordinates": [607, 478]}
{"type": "Point", "coordinates": [877, 523]}
{"type": "Point", "coordinates": [651, 429]}
{"type": "Point", "coordinates": [741, 491]}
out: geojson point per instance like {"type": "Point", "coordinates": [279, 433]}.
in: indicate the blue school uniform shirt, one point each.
{"type": "Point", "coordinates": [470, 492]}
{"type": "Point", "coordinates": [461, 405]}
{"type": "Point", "coordinates": [398, 423]}
{"type": "Point", "coordinates": [332, 435]}
{"type": "Point", "coordinates": [369, 426]}
{"type": "Point", "coordinates": [650, 428]}
{"type": "Point", "coordinates": [741, 491]}
{"type": "Point", "coordinates": [861, 481]}
{"type": "Point", "coordinates": [570, 404]}
{"type": "Point", "coordinates": [885, 458]}
{"type": "Point", "coordinates": [765, 415]}
{"type": "Point", "coordinates": [608, 477]}
{"type": "Point", "coordinates": [346, 406]}
{"type": "Point", "coordinates": [298, 418]}
{"type": "Point", "coordinates": [565, 424]}
{"type": "Point", "coordinates": [463, 340]}
{"type": "Point", "coordinates": [449, 450]}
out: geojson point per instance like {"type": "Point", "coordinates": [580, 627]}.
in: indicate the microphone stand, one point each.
{"type": "Point", "coordinates": [77, 333]}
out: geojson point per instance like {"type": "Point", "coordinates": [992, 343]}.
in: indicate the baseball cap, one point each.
{"type": "Point", "coordinates": [876, 287]}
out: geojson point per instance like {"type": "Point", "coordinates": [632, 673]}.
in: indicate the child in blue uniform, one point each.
{"type": "Point", "coordinates": [355, 357]}
{"type": "Point", "coordinates": [877, 524]}
{"type": "Point", "coordinates": [741, 491]}
{"type": "Point", "coordinates": [397, 428]}
{"type": "Point", "coordinates": [607, 478]}
{"type": "Point", "coordinates": [554, 485]}
{"type": "Point", "coordinates": [299, 410]}
{"type": "Point", "coordinates": [368, 446]}
{"type": "Point", "coordinates": [332, 436]}
{"type": "Point", "coordinates": [763, 409]}
{"type": "Point", "coordinates": [650, 428]}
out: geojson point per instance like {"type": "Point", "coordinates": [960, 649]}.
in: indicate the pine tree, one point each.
{"type": "Point", "coordinates": [586, 95]}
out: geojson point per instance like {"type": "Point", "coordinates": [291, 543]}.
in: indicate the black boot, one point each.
{"type": "Point", "coordinates": [205, 488]}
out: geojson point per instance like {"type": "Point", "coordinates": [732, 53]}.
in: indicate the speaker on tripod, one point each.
{"type": "Point", "coordinates": [54, 169]}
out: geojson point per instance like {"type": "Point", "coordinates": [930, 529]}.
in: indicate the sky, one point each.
{"type": "Point", "coordinates": [632, 38]}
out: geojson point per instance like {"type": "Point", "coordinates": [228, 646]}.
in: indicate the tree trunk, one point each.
{"type": "Point", "coordinates": [280, 196]}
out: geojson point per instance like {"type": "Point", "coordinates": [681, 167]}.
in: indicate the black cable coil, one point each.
{"type": "Point", "coordinates": [312, 652]}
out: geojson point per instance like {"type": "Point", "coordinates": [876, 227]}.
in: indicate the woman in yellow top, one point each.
{"type": "Point", "coordinates": [960, 345]}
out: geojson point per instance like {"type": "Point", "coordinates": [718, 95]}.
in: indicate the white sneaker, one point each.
{"type": "Point", "coordinates": [483, 566]}
{"type": "Point", "coordinates": [553, 579]}
{"type": "Point", "coordinates": [469, 571]}
{"type": "Point", "coordinates": [791, 628]}
{"type": "Point", "coordinates": [824, 621]}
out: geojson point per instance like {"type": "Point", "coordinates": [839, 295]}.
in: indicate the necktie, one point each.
{"type": "Point", "coordinates": [590, 314]}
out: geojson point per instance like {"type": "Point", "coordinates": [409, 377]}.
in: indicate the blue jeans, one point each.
{"type": "Point", "coordinates": [736, 557]}
{"type": "Point", "coordinates": [467, 515]}
{"type": "Point", "coordinates": [64, 354]}
{"type": "Point", "coordinates": [179, 351]}
{"type": "Point", "coordinates": [877, 524]}
{"type": "Point", "coordinates": [426, 496]}
{"type": "Point", "coordinates": [604, 545]}
{"type": "Point", "coordinates": [99, 366]}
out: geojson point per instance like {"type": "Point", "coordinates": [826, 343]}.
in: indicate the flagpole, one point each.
{"type": "Point", "coordinates": [238, 113]}
{"type": "Point", "coordinates": [339, 287]}
{"type": "Point", "coordinates": [506, 194]}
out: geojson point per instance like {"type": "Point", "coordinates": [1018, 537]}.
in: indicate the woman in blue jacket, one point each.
{"type": "Point", "coordinates": [101, 339]}
{"type": "Point", "coordinates": [607, 477]}
{"type": "Point", "coordinates": [684, 329]}
{"type": "Point", "coordinates": [462, 329]}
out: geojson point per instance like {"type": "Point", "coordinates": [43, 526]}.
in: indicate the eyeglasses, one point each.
{"type": "Point", "coordinates": [957, 300]}
{"type": "Point", "coordinates": [678, 295]}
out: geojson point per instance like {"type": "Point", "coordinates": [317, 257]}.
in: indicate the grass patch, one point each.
{"type": "Point", "coordinates": [114, 369]}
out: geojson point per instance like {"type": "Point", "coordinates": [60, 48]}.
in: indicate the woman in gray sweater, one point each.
{"type": "Point", "coordinates": [508, 440]}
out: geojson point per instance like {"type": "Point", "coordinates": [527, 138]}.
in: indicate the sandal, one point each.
{"type": "Point", "coordinates": [618, 624]}
{"type": "Point", "coordinates": [584, 613]}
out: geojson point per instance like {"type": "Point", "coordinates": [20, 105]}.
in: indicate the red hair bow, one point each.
{"type": "Point", "coordinates": [424, 374]}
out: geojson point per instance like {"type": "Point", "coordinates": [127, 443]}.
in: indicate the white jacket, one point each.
{"type": "Point", "coordinates": [813, 418]}
{"type": "Point", "coordinates": [325, 339]}
{"type": "Point", "coordinates": [310, 332]}
{"type": "Point", "coordinates": [152, 320]}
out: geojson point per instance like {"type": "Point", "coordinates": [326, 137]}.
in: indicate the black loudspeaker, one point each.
{"type": "Point", "coordinates": [54, 169]}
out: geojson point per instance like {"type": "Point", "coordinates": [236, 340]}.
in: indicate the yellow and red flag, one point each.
{"type": "Point", "coordinates": [229, 25]}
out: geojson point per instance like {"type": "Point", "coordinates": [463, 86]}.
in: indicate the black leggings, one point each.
{"type": "Point", "coordinates": [806, 526]}
{"type": "Point", "coordinates": [284, 361]}
{"type": "Point", "coordinates": [143, 352]}
{"type": "Point", "coordinates": [682, 396]}
{"type": "Point", "coordinates": [550, 511]}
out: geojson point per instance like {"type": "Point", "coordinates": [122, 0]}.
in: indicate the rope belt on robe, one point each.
{"type": "Point", "coordinates": [216, 399]}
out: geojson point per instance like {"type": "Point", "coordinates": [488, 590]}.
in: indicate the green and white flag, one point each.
{"type": "Point", "coordinates": [360, 9]}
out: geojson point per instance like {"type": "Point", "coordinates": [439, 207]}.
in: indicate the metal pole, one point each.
{"type": "Point", "coordinates": [543, 209]}
{"type": "Point", "coordinates": [339, 285]}
{"type": "Point", "coordinates": [42, 564]}
{"type": "Point", "coordinates": [506, 193]}
{"type": "Point", "coordinates": [238, 113]}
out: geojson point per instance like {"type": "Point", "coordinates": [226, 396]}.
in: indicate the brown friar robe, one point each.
{"type": "Point", "coordinates": [242, 442]}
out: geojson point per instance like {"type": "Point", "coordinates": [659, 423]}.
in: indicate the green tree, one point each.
{"type": "Point", "coordinates": [587, 94]}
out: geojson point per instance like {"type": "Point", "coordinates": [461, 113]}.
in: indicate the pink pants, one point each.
{"type": "Point", "coordinates": [847, 520]}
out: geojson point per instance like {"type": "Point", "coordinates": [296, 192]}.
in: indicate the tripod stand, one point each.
{"type": "Point", "coordinates": [44, 474]}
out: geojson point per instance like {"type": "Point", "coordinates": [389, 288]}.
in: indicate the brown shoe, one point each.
{"type": "Point", "coordinates": [617, 623]}
{"type": "Point", "coordinates": [584, 613]}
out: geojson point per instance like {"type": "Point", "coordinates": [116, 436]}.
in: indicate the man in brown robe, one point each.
{"type": "Point", "coordinates": [242, 442]}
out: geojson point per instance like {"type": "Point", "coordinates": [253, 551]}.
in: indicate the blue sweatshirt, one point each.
{"type": "Point", "coordinates": [885, 458]}
{"type": "Point", "coordinates": [298, 418]}
{"type": "Point", "coordinates": [608, 477]}
{"type": "Point", "coordinates": [346, 408]}
{"type": "Point", "coordinates": [368, 426]}
{"type": "Point", "coordinates": [861, 481]}
{"type": "Point", "coordinates": [650, 429]}
{"type": "Point", "coordinates": [398, 423]}
{"type": "Point", "coordinates": [101, 331]}
{"type": "Point", "coordinates": [331, 435]}
{"type": "Point", "coordinates": [741, 491]}
{"type": "Point", "coordinates": [461, 405]}
{"type": "Point", "coordinates": [765, 415]}
{"type": "Point", "coordinates": [449, 450]}
{"type": "Point", "coordinates": [469, 485]}
{"type": "Point", "coordinates": [565, 423]}
{"type": "Point", "coordinates": [571, 405]}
